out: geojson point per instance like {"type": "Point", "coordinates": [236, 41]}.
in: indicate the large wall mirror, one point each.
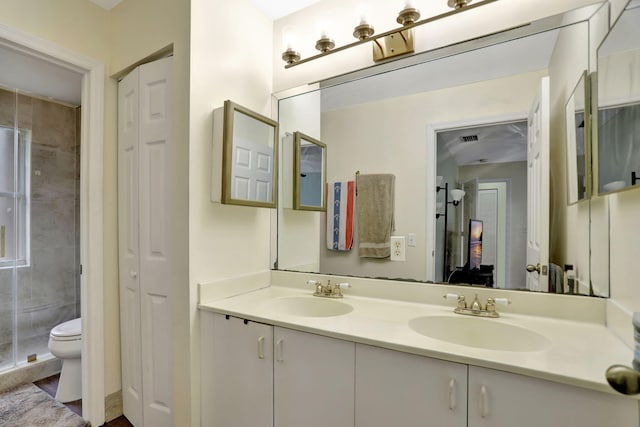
{"type": "Point", "coordinates": [250, 157]}
{"type": "Point", "coordinates": [459, 116]}
{"type": "Point", "coordinates": [618, 101]}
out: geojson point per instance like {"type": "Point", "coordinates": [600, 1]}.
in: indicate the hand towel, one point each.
{"type": "Point", "coordinates": [340, 206]}
{"type": "Point", "coordinates": [375, 195]}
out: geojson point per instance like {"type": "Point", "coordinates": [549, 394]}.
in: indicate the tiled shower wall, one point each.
{"type": "Point", "coordinates": [48, 290]}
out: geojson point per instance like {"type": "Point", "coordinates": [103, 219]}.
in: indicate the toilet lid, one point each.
{"type": "Point", "coordinates": [71, 328]}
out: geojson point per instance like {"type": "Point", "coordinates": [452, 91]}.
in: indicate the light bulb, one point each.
{"type": "Point", "coordinates": [289, 39]}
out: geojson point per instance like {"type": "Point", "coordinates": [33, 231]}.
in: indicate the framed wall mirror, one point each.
{"type": "Point", "coordinates": [578, 127]}
{"type": "Point", "coordinates": [250, 157]}
{"type": "Point", "coordinates": [309, 173]}
{"type": "Point", "coordinates": [389, 122]}
{"type": "Point", "coordinates": [618, 105]}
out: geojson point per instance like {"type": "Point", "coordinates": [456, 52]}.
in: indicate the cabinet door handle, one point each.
{"type": "Point", "coordinates": [261, 348]}
{"type": "Point", "coordinates": [279, 351]}
{"type": "Point", "coordinates": [452, 394]}
{"type": "Point", "coordinates": [484, 402]}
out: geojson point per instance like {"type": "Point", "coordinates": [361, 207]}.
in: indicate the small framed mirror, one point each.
{"type": "Point", "coordinates": [578, 143]}
{"type": "Point", "coordinates": [618, 105]}
{"type": "Point", "coordinates": [250, 158]}
{"type": "Point", "coordinates": [309, 173]}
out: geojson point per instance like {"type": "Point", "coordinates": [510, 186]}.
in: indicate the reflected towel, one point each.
{"type": "Point", "coordinates": [556, 279]}
{"type": "Point", "coordinates": [340, 205]}
{"type": "Point", "coordinates": [376, 195]}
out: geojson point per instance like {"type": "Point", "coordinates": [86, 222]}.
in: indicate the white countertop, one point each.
{"type": "Point", "coordinates": [578, 353]}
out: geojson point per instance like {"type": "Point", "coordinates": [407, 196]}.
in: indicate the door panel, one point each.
{"type": "Point", "coordinates": [538, 189]}
{"type": "Point", "coordinates": [129, 275]}
{"type": "Point", "coordinates": [155, 250]}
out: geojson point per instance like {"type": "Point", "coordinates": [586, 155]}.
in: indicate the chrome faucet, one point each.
{"type": "Point", "coordinates": [328, 290]}
{"type": "Point", "coordinates": [476, 308]}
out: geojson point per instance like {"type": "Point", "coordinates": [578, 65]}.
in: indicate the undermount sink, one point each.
{"type": "Point", "coordinates": [310, 306]}
{"type": "Point", "coordinates": [479, 332]}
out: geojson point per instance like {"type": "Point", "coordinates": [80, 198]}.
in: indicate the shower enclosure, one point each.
{"type": "Point", "coordinates": [39, 227]}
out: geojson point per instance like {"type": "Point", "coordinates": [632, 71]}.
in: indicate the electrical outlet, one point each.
{"type": "Point", "coordinates": [398, 248]}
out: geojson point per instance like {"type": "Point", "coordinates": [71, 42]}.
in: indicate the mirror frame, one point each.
{"type": "Point", "coordinates": [230, 108]}
{"type": "Point", "coordinates": [571, 141]}
{"type": "Point", "coordinates": [298, 138]}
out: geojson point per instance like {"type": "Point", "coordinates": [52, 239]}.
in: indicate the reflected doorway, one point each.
{"type": "Point", "coordinates": [489, 163]}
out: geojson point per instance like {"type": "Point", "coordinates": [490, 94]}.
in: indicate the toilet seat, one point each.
{"type": "Point", "coordinates": [67, 331]}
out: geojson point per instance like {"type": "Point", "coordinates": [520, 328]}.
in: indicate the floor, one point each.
{"type": "Point", "coordinates": [50, 385]}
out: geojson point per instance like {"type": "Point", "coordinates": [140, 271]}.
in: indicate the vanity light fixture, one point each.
{"type": "Point", "coordinates": [399, 41]}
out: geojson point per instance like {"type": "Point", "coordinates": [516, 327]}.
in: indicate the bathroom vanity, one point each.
{"type": "Point", "coordinates": [278, 356]}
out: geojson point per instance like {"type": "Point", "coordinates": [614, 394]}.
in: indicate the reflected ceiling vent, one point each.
{"type": "Point", "coordinates": [469, 138]}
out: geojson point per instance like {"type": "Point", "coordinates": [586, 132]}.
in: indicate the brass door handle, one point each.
{"type": "Point", "coordinates": [531, 268]}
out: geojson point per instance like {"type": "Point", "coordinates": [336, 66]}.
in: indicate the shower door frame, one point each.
{"type": "Point", "coordinates": [91, 206]}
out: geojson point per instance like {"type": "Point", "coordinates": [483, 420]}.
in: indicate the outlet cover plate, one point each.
{"type": "Point", "coordinates": [398, 248]}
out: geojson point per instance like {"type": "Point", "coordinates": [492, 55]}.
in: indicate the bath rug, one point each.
{"type": "Point", "coordinates": [29, 406]}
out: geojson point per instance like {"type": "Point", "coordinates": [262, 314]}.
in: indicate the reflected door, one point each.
{"type": "Point", "coordinates": [538, 184]}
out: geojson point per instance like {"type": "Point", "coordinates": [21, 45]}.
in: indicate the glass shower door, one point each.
{"type": "Point", "coordinates": [8, 226]}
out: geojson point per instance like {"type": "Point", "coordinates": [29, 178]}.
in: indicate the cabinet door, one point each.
{"type": "Point", "coordinates": [237, 372]}
{"type": "Point", "coordinates": [400, 389]}
{"type": "Point", "coordinates": [500, 399]}
{"type": "Point", "coordinates": [313, 382]}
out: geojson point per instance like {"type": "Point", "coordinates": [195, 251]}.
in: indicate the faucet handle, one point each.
{"type": "Point", "coordinates": [313, 282]}
{"type": "Point", "coordinates": [344, 285]}
{"type": "Point", "coordinates": [502, 301]}
{"type": "Point", "coordinates": [462, 303]}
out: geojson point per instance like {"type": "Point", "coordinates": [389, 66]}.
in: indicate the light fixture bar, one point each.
{"type": "Point", "coordinates": [390, 32]}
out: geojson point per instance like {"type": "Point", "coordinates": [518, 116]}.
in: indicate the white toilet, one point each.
{"type": "Point", "coordinates": [65, 342]}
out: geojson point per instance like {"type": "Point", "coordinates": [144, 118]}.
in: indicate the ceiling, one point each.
{"type": "Point", "coordinates": [499, 143]}
{"type": "Point", "coordinates": [274, 9]}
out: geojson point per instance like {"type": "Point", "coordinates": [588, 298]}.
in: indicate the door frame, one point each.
{"type": "Point", "coordinates": [91, 207]}
{"type": "Point", "coordinates": [431, 168]}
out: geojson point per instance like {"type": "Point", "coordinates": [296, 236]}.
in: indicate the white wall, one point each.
{"type": "Point", "coordinates": [227, 62]}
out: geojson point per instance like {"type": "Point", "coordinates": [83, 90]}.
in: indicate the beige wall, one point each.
{"type": "Point", "coordinates": [84, 28]}
{"type": "Point", "coordinates": [569, 225]}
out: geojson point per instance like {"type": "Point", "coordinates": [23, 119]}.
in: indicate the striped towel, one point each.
{"type": "Point", "coordinates": [340, 208]}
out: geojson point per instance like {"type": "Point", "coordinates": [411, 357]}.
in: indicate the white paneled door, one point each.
{"type": "Point", "coordinates": [144, 190]}
{"type": "Point", "coordinates": [538, 191]}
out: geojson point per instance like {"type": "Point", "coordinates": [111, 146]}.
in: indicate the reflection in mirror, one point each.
{"type": "Point", "coordinates": [309, 173]}
{"type": "Point", "coordinates": [578, 132]}
{"type": "Point", "coordinates": [389, 123]}
{"type": "Point", "coordinates": [249, 164]}
{"type": "Point", "coordinates": [490, 164]}
{"type": "Point", "coordinates": [618, 98]}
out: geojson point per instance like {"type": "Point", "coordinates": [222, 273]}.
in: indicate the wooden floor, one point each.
{"type": "Point", "coordinates": [50, 385]}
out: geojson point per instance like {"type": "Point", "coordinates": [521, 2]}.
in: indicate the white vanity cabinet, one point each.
{"type": "Point", "coordinates": [500, 399]}
{"type": "Point", "coordinates": [401, 389]}
{"type": "Point", "coordinates": [313, 380]}
{"type": "Point", "coordinates": [237, 374]}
